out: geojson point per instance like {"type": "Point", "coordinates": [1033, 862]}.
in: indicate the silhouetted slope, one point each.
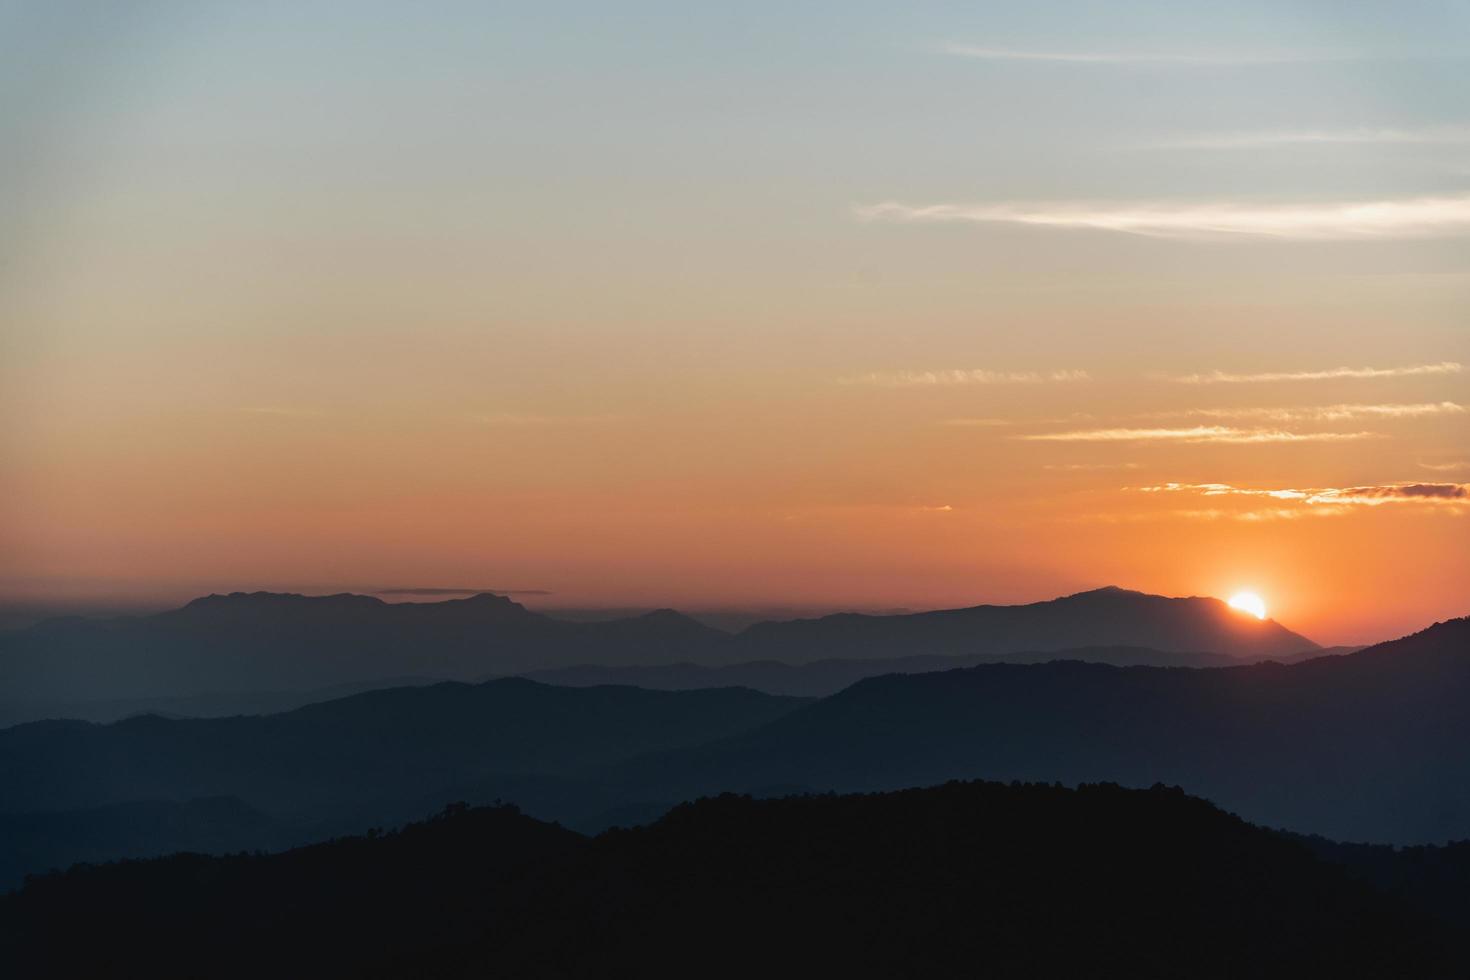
{"type": "Point", "coordinates": [823, 677]}
{"type": "Point", "coordinates": [1373, 745]}
{"type": "Point", "coordinates": [369, 757]}
{"type": "Point", "coordinates": [42, 841]}
{"type": "Point", "coordinates": [1103, 617]}
{"type": "Point", "coordinates": [964, 879]}
{"type": "Point", "coordinates": [1433, 880]}
{"type": "Point", "coordinates": [249, 642]}
{"type": "Point", "coordinates": [266, 641]}
{"type": "Point", "coordinates": [207, 705]}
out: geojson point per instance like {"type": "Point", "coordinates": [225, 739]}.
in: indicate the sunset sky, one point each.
{"type": "Point", "coordinates": [841, 305]}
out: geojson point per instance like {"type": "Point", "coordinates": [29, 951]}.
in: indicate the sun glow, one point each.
{"type": "Point", "coordinates": [1249, 602]}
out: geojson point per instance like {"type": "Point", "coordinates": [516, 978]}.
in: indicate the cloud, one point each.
{"type": "Point", "coordinates": [1215, 514]}
{"type": "Point", "coordinates": [997, 423]}
{"type": "Point", "coordinates": [282, 412]}
{"type": "Point", "coordinates": [433, 592]}
{"type": "Point", "coordinates": [1452, 493]}
{"type": "Point", "coordinates": [1452, 466]}
{"type": "Point", "coordinates": [1199, 59]}
{"type": "Point", "coordinates": [960, 376]}
{"type": "Point", "coordinates": [1417, 217]}
{"type": "Point", "coordinates": [521, 420]}
{"type": "Point", "coordinates": [1329, 374]}
{"type": "Point", "coordinates": [1427, 135]}
{"type": "Point", "coordinates": [1089, 467]}
{"type": "Point", "coordinates": [1321, 413]}
{"type": "Point", "coordinates": [1194, 434]}
{"type": "Point", "coordinates": [979, 423]}
{"type": "Point", "coordinates": [1456, 495]}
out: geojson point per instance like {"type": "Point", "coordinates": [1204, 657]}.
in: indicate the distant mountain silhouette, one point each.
{"type": "Point", "coordinates": [379, 757]}
{"type": "Point", "coordinates": [38, 841]}
{"type": "Point", "coordinates": [1368, 746]}
{"type": "Point", "coordinates": [1103, 617]}
{"type": "Point", "coordinates": [820, 678]}
{"type": "Point", "coordinates": [267, 641]}
{"type": "Point", "coordinates": [207, 705]}
{"type": "Point", "coordinates": [967, 879]}
{"type": "Point", "coordinates": [250, 642]}
{"type": "Point", "coordinates": [1373, 745]}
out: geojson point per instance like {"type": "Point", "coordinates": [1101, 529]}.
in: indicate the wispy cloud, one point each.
{"type": "Point", "coordinates": [1418, 217]}
{"type": "Point", "coordinates": [280, 411]}
{"type": "Point", "coordinates": [1000, 423]}
{"type": "Point", "coordinates": [1450, 466]}
{"type": "Point", "coordinates": [1194, 434]}
{"type": "Point", "coordinates": [1089, 467]}
{"type": "Point", "coordinates": [979, 423]}
{"type": "Point", "coordinates": [523, 420]}
{"type": "Point", "coordinates": [1328, 374]}
{"type": "Point", "coordinates": [960, 376]}
{"type": "Point", "coordinates": [1260, 139]}
{"type": "Point", "coordinates": [1456, 495]}
{"type": "Point", "coordinates": [1183, 59]}
{"type": "Point", "coordinates": [1321, 413]}
{"type": "Point", "coordinates": [450, 592]}
{"type": "Point", "coordinates": [1216, 514]}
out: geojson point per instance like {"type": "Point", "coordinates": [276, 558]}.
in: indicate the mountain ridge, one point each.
{"type": "Point", "coordinates": [249, 641]}
{"type": "Point", "coordinates": [940, 881]}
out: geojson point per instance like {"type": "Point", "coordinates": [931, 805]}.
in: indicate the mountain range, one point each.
{"type": "Point", "coordinates": [1372, 745]}
{"type": "Point", "coordinates": [820, 678]}
{"type": "Point", "coordinates": [251, 642]}
{"type": "Point", "coordinates": [957, 880]}
{"type": "Point", "coordinates": [1366, 746]}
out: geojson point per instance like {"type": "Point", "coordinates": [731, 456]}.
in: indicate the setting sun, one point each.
{"type": "Point", "coordinates": [1249, 602]}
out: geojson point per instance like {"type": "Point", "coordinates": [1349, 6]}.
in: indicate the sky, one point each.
{"type": "Point", "coordinates": [833, 305]}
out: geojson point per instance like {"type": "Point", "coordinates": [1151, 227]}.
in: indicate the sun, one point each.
{"type": "Point", "coordinates": [1249, 602]}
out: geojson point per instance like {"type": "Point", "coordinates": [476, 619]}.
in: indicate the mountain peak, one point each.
{"type": "Point", "coordinates": [1106, 590]}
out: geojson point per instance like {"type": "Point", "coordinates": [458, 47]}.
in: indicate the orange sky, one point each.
{"type": "Point", "coordinates": [680, 329]}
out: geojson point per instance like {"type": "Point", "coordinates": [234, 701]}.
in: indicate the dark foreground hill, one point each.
{"type": "Point", "coordinates": [960, 880]}
{"type": "Point", "coordinates": [1373, 745]}
{"type": "Point", "coordinates": [239, 643]}
{"type": "Point", "coordinates": [71, 790]}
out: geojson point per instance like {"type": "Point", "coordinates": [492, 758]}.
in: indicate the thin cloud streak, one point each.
{"type": "Point", "coordinates": [1425, 136]}
{"type": "Point", "coordinates": [453, 592]}
{"type": "Point", "coordinates": [1419, 217]}
{"type": "Point", "coordinates": [282, 412]}
{"type": "Point", "coordinates": [1329, 374]}
{"type": "Point", "coordinates": [1216, 514]}
{"type": "Point", "coordinates": [1454, 466]}
{"type": "Point", "coordinates": [1183, 60]}
{"type": "Point", "coordinates": [1195, 434]}
{"type": "Point", "coordinates": [1321, 413]}
{"type": "Point", "coordinates": [520, 420]}
{"type": "Point", "coordinates": [1455, 495]}
{"type": "Point", "coordinates": [974, 376]}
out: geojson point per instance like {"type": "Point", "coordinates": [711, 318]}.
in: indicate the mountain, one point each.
{"type": "Point", "coordinates": [1373, 745]}
{"type": "Point", "coordinates": [267, 641]}
{"type": "Point", "coordinates": [820, 678]}
{"type": "Point", "coordinates": [962, 879]}
{"type": "Point", "coordinates": [252, 642]}
{"type": "Point", "coordinates": [35, 842]}
{"type": "Point", "coordinates": [379, 757]}
{"type": "Point", "coordinates": [1103, 617]}
{"type": "Point", "coordinates": [217, 704]}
